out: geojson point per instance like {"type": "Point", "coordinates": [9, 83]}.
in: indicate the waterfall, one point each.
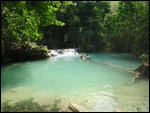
{"type": "Point", "coordinates": [63, 52]}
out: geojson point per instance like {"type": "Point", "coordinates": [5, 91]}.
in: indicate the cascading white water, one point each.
{"type": "Point", "coordinates": [63, 52]}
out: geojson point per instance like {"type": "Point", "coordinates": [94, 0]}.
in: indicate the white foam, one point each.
{"type": "Point", "coordinates": [63, 52]}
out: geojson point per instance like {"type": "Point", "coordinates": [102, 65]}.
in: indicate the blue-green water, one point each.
{"type": "Point", "coordinates": [91, 84]}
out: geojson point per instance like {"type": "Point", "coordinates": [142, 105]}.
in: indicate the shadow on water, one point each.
{"type": "Point", "coordinates": [14, 74]}
{"type": "Point", "coordinates": [29, 106]}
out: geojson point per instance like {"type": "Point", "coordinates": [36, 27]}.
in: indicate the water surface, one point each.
{"type": "Point", "coordinates": [92, 84]}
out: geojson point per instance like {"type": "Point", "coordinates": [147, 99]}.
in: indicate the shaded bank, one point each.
{"type": "Point", "coordinates": [18, 52]}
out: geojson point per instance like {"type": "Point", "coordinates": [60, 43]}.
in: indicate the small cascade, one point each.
{"type": "Point", "coordinates": [63, 52]}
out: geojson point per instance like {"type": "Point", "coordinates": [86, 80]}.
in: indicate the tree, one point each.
{"type": "Point", "coordinates": [22, 20]}
{"type": "Point", "coordinates": [87, 24]}
{"type": "Point", "coordinates": [129, 27]}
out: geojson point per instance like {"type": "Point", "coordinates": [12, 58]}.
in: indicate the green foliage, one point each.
{"type": "Point", "coordinates": [46, 12]}
{"type": "Point", "coordinates": [129, 26]}
{"type": "Point", "coordinates": [21, 20]}
{"type": "Point", "coordinates": [144, 57]}
{"type": "Point", "coordinates": [93, 26]}
{"type": "Point", "coordinates": [83, 23]}
{"type": "Point", "coordinates": [23, 52]}
{"type": "Point", "coordinates": [89, 47]}
{"type": "Point", "coordinates": [114, 6]}
{"type": "Point", "coordinates": [2, 47]}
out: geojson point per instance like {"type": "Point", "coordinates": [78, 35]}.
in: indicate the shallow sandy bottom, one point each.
{"type": "Point", "coordinates": [125, 97]}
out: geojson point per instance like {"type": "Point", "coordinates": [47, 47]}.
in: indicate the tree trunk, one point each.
{"type": "Point", "coordinates": [142, 70]}
{"type": "Point", "coordinates": [76, 108]}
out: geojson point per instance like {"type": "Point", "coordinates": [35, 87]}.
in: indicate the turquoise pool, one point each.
{"type": "Point", "coordinates": [90, 84]}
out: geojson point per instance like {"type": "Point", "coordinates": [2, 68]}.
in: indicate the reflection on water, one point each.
{"type": "Point", "coordinates": [51, 84]}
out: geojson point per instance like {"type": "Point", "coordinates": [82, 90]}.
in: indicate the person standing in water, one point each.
{"type": "Point", "coordinates": [81, 57]}
{"type": "Point", "coordinates": [88, 57]}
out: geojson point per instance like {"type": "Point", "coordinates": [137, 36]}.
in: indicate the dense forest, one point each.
{"type": "Point", "coordinates": [30, 28]}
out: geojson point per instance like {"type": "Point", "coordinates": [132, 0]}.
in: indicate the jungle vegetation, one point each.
{"type": "Point", "coordinates": [121, 26]}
